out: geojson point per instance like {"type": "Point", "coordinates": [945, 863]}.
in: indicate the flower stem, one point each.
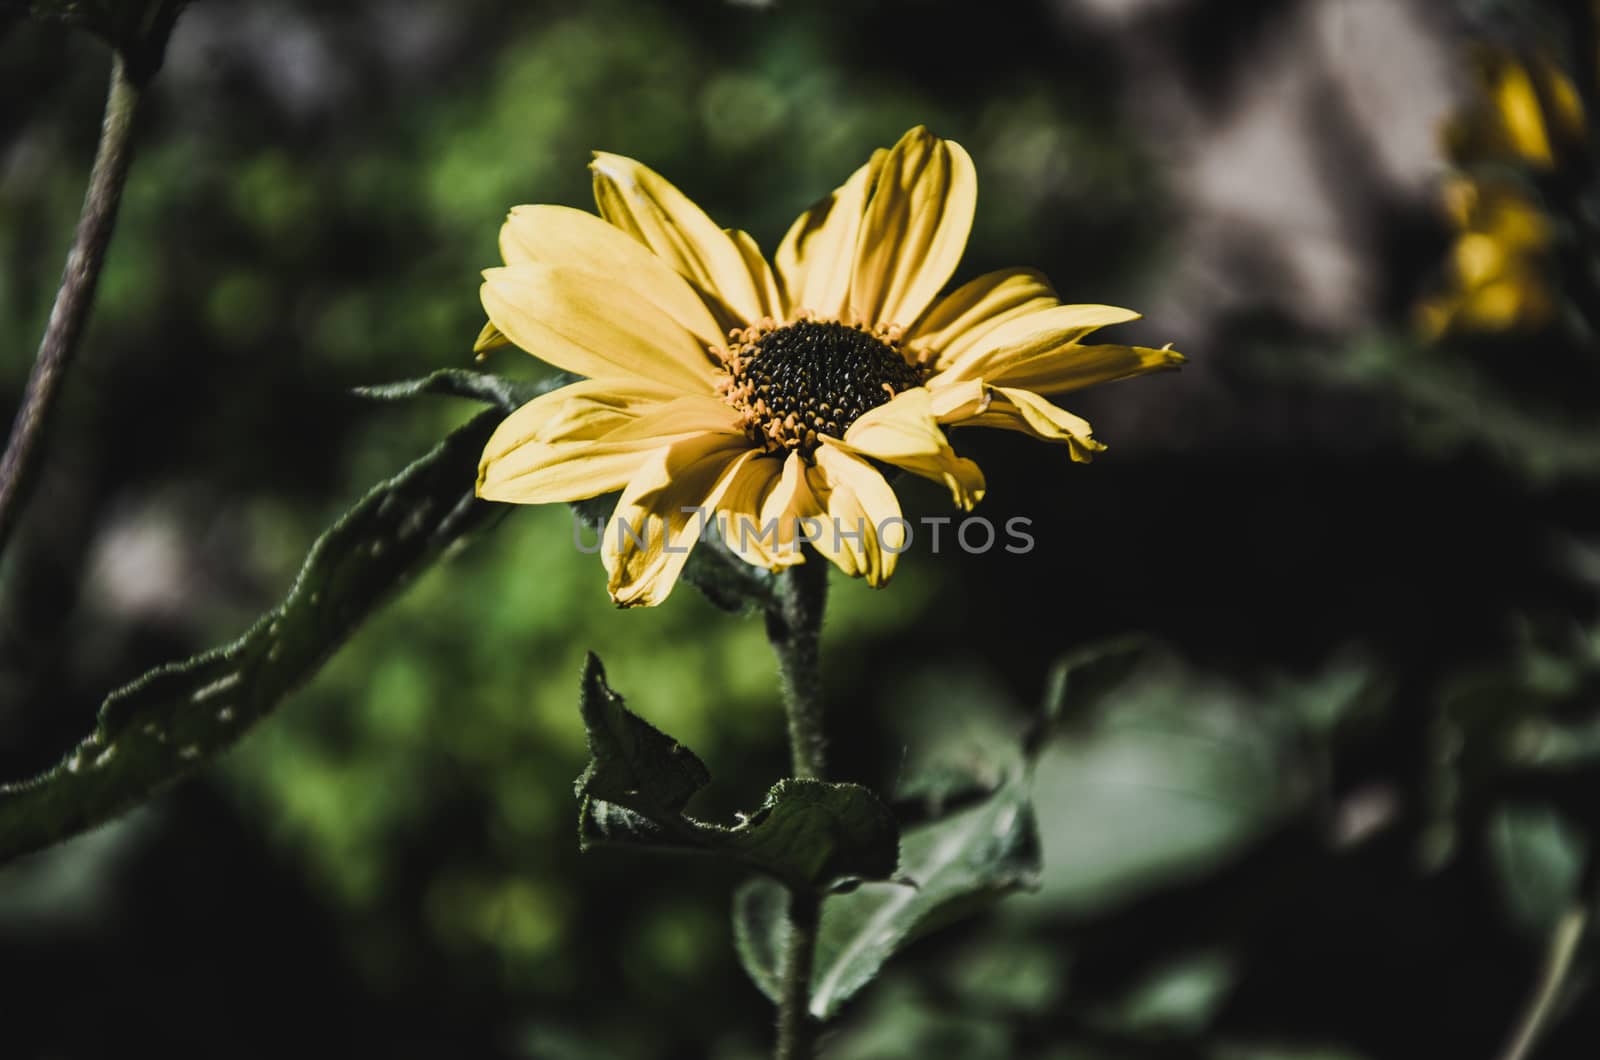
{"type": "Point", "coordinates": [794, 626]}
{"type": "Point", "coordinates": [75, 296]}
{"type": "Point", "coordinates": [797, 1032]}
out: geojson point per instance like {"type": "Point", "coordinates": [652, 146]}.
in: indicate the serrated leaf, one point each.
{"type": "Point", "coordinates": [503, 393]}
{"type": "Point", "coordinates": [631, 762]}
{"type": "Point", "coordinates": [950, 868]}
{"type": "Point", "coordinates": [812, 833]}
{"type": "Point", "coordinates": [602, 823]}
{"type": "Point", "coordinates": [807, 833]}
{"type": "Point", "coordinates": [174, 718]}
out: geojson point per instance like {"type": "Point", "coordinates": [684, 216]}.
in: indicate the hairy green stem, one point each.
{"type": "Point", "coordinates": [74, 297]}
{"type": "Point", "coordinates": [797, 1031]}
{"type": "Point", "coordinates": [794, 626]}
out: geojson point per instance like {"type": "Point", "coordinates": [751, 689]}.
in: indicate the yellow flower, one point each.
{"type": "Point", "coordinates": [763, 397]}
{"type": "Point", "coordinates": [1530, 112]}
{"type": "Point", "coordinates": [1498, 264]}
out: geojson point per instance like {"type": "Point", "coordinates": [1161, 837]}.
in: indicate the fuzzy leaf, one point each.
{"type": "Point", "coordinates": [760, 933]}
{"type": "Point", "coordinates": [949, 868]}
{"type": "Point", "coordinates": [807, 833]}
{"type": "Point", "coordinates": [602, 823]}
{"type": "Point", "coordinates": [503, 393]}
{"type": "Point", "coordinates": [812, 833]}
{"type": "Point", "coordinates": [172, 719]}
{"type": "Point", "coordinates": [632, 763]}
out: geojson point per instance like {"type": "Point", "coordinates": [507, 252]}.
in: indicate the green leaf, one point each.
{"type": "Point", "coordinates": [172, 719]}
{"type": "Point", "coordinates": [602, 823]}
{"type": "Point", "coordinates": [949, 868]}
{"type": "Point", "coordinates": [631, 762]}
{"type": "Point", "coordinates": [1078, 683]}
{"type": "Point", "coordinates": [817, 834]}
{"type": "Point", "coordinates": [505, 394]}
{"type": "Point", "coordinates": [1080, 679]}
{"type": "Point", "coordinates": [1456, 405]}
{"type": "Point", "coordinates": [807, 833]}
{"type": "Point", "coordinates": [760, 933]}
{"type": "Point", "coordinates": [1538, 858]}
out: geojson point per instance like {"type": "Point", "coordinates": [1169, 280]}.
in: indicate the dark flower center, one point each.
{"type": "Point", "coordinates": [812, 377]}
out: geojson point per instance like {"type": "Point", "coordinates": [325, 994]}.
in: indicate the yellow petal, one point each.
{"type": "Point", "coordinates": [860, 506]}
{"type": "Point", "coordinates": [815, 258]}
{"type": "Point", "coordinates": [684, 414]}
{"type": "Point", "coordinates": [1029, 335]}
{"type": "Point", "coordinates": [966, 316]}
{"type": "Point", "coordinates": [914, 229]}
{"type": "Point", "coordinates": [1511, 219]}
{"type": "Point", "coordinates": [769, 300]}
{"type": "Point", "coordinates": [645, 205]}
{"type": "Point", "coordinates": [575, 321]}
{"type": "Point", "coordinates": [1022, 410]}
{"type": "Point", "coordinates": [790, 500]}
{"type": "Point", "coordinates": [1522, 118]}
{"type": "Point", "coordinates": [1565, 104]}
{"type": "Point", "coordinates": [1478, 258]}
{"type": "Point", "coordinates": [489, 338]}
{"type": "Point", "coordinates": [650, 534]}
{"type": "Point", "coordinates": [957, 400]}
{"type": "Point", "coordinates": [572, 443]}
{"type": "Point", "coordinates": [903, 432]}
{"type": "Point", "coordinates": [1073, 367]}
{"type": "Point", "coordinates": [583, 411]}
{"type": "Point", "coordinates": [559, 236]}
{"type": "Point", "coordinates": [759, 539]}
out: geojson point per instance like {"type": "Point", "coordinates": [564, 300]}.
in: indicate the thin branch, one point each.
{"type": "Point", "coordinates": [1542, 1005]}
{"type": "Point", "coordinates": [74, 298]}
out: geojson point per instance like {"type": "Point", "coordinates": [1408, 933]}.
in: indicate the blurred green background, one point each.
{"type": "Point", "coordinates": [1334, 812]}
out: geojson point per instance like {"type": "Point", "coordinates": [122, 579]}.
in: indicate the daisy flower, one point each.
{"type": "Point", "coordinates": [764, 400]}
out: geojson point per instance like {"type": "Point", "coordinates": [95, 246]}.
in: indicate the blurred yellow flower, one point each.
{"type": "Point", "coordinates": [1530, 113]}
{"type": "Point", "coordinates": [1529, 116]}
{"type": "Point", "coordinates": [1497, 265]}
{"type": "Point", "coordinates": [766, 397]}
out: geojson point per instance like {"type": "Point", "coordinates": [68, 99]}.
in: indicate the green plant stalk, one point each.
{"type": "Point", "coordinates": [1541, 1007]}
{"type": "Point", "coordinates": [75, 296]}
{"type": "Point", "coordinates": [794, 626]}
{"type": "Point", "coordinates": [796, 1029]}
